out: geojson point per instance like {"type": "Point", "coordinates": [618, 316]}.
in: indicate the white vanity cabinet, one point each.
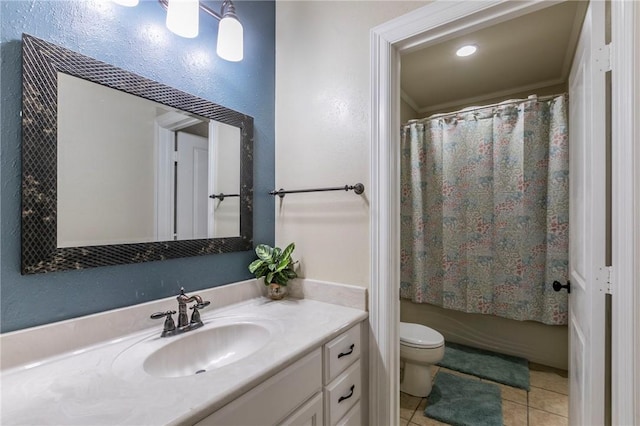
{"type": "Point", "coordinates": [302, 375]}
{"type": "Point", "coordinates": [322, 388]}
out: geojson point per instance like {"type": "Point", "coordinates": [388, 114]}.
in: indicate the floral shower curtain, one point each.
{"type": "Point", "coordinates": [485, 210]}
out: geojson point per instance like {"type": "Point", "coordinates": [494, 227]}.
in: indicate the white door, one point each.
{"type": "Point", "coordinates": [192, 187]}
{"type": "Point", "coordinates": [587, 222]}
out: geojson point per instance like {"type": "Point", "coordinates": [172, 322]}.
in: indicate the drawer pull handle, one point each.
{"type": "Point", "coordinates": [340, 355]}
{"type": "Point", "coordinates": [342, 398]}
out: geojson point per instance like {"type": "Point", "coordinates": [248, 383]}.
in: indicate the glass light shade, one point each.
{"type": "Point", "coordinates": [182, 17]}
{"type": "Point", "coordinates": [128, 3]}
{"type": "Point", "coordinates": [230, 39]}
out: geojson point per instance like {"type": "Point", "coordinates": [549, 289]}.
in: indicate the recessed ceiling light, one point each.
{"type": "Point", "coordinates": [467, 50]}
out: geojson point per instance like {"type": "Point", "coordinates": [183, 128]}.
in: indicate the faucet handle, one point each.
{"type": "Point", "coordinates": [195, 316]}
{"type": "Point", "coordinates": [201, 305]}
{"type": "Point", "coordinates": [158, 315]}
{"type": "Point", "coordinates": [169, 324]}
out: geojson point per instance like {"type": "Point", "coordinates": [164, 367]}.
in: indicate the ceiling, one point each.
{"type": "Point", "coordinates": [520, 55]}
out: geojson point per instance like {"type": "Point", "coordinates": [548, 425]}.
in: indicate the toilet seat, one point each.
{"type": "Point", "coordinates": [419, 336]}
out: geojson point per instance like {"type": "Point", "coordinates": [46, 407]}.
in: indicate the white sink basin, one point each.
{"type": "Point", "coordinates": [196, 351]}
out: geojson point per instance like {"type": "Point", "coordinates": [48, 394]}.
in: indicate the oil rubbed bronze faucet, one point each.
{"type": "Point", "coordinates": [184, 324]}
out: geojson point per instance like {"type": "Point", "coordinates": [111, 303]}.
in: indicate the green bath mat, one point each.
{"type": "Point", "coordinates": [464, 402]}
{"type": "Point", "coordinates": [506, 369]}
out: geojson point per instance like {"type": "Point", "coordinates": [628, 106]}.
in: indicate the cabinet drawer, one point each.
{"type": "Point", "coordinates": [341, 352]}
{"type": "Point", "coordinates": [274, 399]}
{"type": "Point", "coordinates": [353, 417]}
{"type": "Point", "coordinates": [342, 394]}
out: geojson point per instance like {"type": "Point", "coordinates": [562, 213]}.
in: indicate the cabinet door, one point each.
{"type": "Point", "coordinates": [353, 417]}
{"type": "Point", "coordinates": [273, 399]}
{"type": "Point", "coordinates": [310, 414]}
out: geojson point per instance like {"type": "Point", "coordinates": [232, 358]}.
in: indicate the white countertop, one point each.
{"type": "Point", "coordinates": [82, 388]}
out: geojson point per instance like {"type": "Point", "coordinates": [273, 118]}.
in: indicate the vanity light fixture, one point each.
{"type": "Point", "coordinates": [182, 19]}
{"type": "Point", "coordinates": [230, 34]}
{"type": "Point", "coordinates": [467, 50]}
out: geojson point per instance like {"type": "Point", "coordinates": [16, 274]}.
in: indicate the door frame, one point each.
{"type": "Point", "coordinates": [440, 21]}
{"type": "Point", "coordinates": [625, 321]}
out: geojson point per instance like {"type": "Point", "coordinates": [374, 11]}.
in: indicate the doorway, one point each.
{"type": "Point", "coordinates": [519, 65]}
{"type": "Point", "coordinates": [433, 23]}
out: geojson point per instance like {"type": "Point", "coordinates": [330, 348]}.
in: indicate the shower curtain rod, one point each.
{"type": "Point", "coordinates": [515, 101]}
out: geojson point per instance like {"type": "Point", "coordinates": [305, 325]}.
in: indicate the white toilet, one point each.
{"type": "Point", "coordinates": [420, 347]}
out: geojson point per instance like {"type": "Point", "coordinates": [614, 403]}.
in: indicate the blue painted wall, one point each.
{"type": "Point", "coordinates": [136, 40]}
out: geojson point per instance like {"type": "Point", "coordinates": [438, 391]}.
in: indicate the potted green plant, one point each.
{"type": "Point", "coordinates": [276, 266]}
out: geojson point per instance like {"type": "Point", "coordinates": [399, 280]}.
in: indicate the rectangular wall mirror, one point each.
{"type": "Point", "coordinates": [121, 169]}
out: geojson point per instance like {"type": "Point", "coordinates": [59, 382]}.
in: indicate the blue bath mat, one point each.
{"type": "Point", "coordinates": [506, 369]}
{"type": "Point", "coordinates": [464, 402]}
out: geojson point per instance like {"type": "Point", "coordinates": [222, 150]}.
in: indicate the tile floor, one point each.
{"type": "Point", "coordinates": [546, 404]}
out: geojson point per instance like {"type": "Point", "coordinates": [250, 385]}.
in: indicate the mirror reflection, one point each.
{"type": "Point", "coordinates": [130, 170]}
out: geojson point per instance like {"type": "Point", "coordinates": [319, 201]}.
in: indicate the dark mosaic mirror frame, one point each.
{"type": "Point", "coordinates": [41, 62]}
